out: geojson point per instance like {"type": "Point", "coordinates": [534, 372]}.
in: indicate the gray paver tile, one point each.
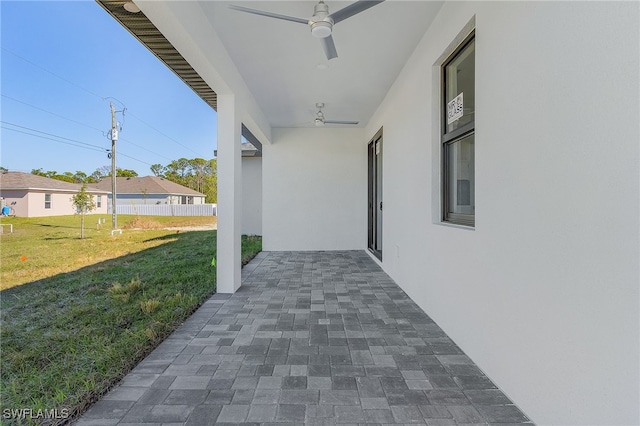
{"type": "Point", "coordinates": [339, 397]}
{"type": "Point", "coordinates": [319, 382]}
{"type": "Point", "coordinates": [379, 403]}
{"type": "Point", "coordinates": [502, 414]}
{"type": "Point", "coordinates": [262, 413]}
{"type": "Point", "coordinates": [219, 397]}
{"type": "Point", "coordinates": [407, 414]}
{"type": "Point", "coordinates": [243, 396]}
{"type": "Point", "coordinates": [168, 413]}
{"type": "Point", "coordinates": [269, 382]}
{"type": "Point", "coordinates": [190, 382]}
{"type": "Point", "coordinates": [465, 414]}
{"type": "Point", "coordinates": [305, 397]}
{"type": "Point", "coordinates": [163, 382]}
{"type": "Point", "coordinates": [109, 409]}
{"type": "Point", "coordinates": [233, 413]}
{"type": "Point", "coordinates": [291, 413]}
{"type": "Point", "coordinates": [380, 416]}
{"type": "Point", "coordinates": [266, 396]}
{"type": "Point", "coordinates": [204, 415]}
{"type": "Point", "coordinates": [487, 397]}
{"type": "Point", "coordinates": [188, 397]}
{"type": "Point", "coordinates": [125, 393]}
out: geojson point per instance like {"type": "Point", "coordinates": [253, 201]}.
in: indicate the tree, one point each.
{"type": "Point", "coordinates": [80, 177]}
{"type": "Point", "coordinates": [198, 174]}
{"type": "Point", "coordinates": [125, 173]}
{"type": "Point", "coordinates": [157, 169]}
{"type": "Point", "coordinates": [83, 202]}
{"type": "Point", "coordinates": [101, 173]}
{"type": "Point", "coordinates": [65, 177]}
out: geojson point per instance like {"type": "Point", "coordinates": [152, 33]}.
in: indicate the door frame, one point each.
{"type": "Point", "coordinates": [374, 195]}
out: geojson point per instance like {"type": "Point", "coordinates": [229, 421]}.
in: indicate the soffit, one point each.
{"type": "Point", "coordinates": [142, 29]}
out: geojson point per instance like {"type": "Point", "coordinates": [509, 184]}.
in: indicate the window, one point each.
{"type": "Point", "coordinates": [458, 137]}
{"type": "Point", "coordinates": [99, 202]}
{"type": "Point", "coordinates": [47, 201]}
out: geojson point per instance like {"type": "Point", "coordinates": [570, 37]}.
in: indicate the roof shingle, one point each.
{"type": "Point", "coordinates": [28, 181]}
{"type": "Point", "coordinates": [146, 185]}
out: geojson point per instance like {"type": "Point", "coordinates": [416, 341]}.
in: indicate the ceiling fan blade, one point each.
{"type": "Point", "coordinates": [340, 122]}
{"type": "Point", "coordinates": [269, 14]}
{"type": "Point", "coordinates": [329, 47]}
{"type": "Point", "coordinates": [352, 9]}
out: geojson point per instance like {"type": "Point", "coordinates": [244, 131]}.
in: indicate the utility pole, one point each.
{"type": "Point", "coordinates": [114, 138]}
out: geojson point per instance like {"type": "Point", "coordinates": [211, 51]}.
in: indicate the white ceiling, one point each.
{"type": "Point", "coordinates": [286, 69]}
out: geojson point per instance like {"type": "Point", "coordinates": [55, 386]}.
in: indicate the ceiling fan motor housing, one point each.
{"type": "Point", "coordinates": [321, 23]}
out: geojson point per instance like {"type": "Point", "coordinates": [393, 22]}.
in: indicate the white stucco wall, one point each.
{"type": "Point", "coordinates": [252, 195]}
{"type": "Point", "coordinates": [61, 204]}
{"type": "Point", "coordinates": [17, 200]}
{"type": "Point", "coordinates": [315, 189]}
{"type": "Point", "coordinates": [544, 293]}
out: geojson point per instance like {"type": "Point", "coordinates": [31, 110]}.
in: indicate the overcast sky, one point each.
{"type": "Point", "coordinates": [62, 65]}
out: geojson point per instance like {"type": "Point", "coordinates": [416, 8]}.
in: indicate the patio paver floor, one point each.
{"type": "Point", "coordinates": [315, 338]}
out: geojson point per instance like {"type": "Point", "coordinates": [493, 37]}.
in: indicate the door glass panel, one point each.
{"type": "Point", "coordinates": [379, 196]}
{"type": "Point", "coordinates": [375, 196]}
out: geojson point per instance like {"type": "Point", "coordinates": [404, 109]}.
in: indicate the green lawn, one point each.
{"type": "Point", "coordinates": [79, 314]}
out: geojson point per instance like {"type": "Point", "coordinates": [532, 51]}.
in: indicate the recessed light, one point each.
{"type": "Point", "coordinates": [131, 7]}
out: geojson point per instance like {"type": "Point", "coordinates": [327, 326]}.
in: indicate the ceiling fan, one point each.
{"type": "Point", "coordinates": [321, 121]}
{"type": "Point", "coordinates": [322, 22]}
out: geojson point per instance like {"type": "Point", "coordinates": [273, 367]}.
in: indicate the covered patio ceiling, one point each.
{"type": "Point", "coordinates": [285, 67]}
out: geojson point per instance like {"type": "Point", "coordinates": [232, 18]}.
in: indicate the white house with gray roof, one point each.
{"type": "Point", "coordinates": [37, 196]}
{"type": "Point", "coordinates": [151, 190]}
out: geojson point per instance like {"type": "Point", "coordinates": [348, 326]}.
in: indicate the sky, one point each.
{"type": "Point", "coordinates": [62, 64]}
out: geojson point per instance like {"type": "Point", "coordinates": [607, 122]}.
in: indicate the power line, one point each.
{"type": "Point", "coordinates": [98, 96]}
{"type": "Point", "coordinates": [52, 73]}
{"type": "Point", "coordinates": [52, 113]}
{"type": "Point", "coordinates": [71, 142]}
{"type": "Point", "coordinates": [51, 139]}
{"type": "Point", "coordinates": [51, 134]}
{"type": "Point", "coordinates": [85, 125]}
{"type": "Point", "coordinates": [166, 136]}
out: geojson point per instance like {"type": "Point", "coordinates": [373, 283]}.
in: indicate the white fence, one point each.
{"type": "Point", "coordinates": [167, 209]}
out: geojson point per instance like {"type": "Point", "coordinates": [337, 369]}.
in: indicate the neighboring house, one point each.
{"type": "Point", "coordinates": [36, 196]}
{"type": "Point", "coordinates": [251, 223]}
{"type": "Point", "coordinates": [151, 190]}
{"type": "Point", "coordinates": [493, 173]}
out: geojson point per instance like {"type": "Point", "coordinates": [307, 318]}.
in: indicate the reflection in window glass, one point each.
{"type": "Point", "coordinates": [460, 82]}
{"type": "Point", "coordinates": [460, 176]}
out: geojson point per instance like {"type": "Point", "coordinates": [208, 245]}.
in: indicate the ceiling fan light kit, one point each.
{"type": "Point", "coordinates": [321, 29]}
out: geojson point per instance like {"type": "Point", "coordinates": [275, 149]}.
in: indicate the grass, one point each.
{"type": "Point", "coordinates": [43, 247]}
{"type": "Point", "coordinates": [77, 315]}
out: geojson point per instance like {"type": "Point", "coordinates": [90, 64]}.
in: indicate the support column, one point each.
{"type": "Point", "coordinates": [229, 196]}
